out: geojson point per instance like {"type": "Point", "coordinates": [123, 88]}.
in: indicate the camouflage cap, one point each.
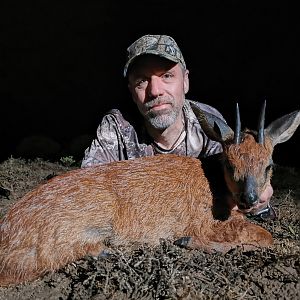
{"type": "Point", "coordinates": [161, 45]}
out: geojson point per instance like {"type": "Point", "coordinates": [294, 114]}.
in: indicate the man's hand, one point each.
{"type": "Point", "coordinates": [263, 210]}
{"type": "Point", "coordinates": [264, 201]}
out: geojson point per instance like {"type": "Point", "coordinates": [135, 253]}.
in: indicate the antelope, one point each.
{"type": "Point", "coordinates": [143, 200]}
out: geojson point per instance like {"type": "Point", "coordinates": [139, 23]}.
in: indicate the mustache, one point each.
{"type": "Point", "coordinates": [158, 101]}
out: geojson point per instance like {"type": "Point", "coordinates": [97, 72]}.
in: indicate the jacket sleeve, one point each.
{"type": "Point", "coordinates": [107, 146]}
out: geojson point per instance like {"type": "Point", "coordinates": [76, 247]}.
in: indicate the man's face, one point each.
{"type": "Point", "coordinates": [158, 87]}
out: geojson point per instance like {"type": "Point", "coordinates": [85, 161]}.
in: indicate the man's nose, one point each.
{"type": "Point", "coordinates": [154, 87]}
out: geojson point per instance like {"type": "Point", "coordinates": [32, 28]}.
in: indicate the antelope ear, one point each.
{"type": "Point", "coordinates": [283, 128]}
{"type": "Point", "coordinates": [215, 128]}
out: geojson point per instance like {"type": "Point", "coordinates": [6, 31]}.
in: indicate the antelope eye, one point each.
{"type": "Point", "coordinates": [229, 167]}
{"type": "Point", "coordinates": [269, 167]}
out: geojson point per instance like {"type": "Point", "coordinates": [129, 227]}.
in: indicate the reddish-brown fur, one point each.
{"type": "Point", "coordinates": [248, 159]}
{"type": "Point", "coordinates": [145, 199]}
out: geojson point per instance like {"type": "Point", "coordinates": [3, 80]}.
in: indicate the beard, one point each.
{"type": "Point", "coordinates": [163, 118]}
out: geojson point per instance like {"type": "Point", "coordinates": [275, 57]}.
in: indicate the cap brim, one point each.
{"type": "Point", "coordinates": [154, 52]}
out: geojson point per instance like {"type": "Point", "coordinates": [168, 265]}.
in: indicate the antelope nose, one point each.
{"type": "Point", "coordinates": [250, 198]}
{"type": "Point", "coordinates": [249, 194]}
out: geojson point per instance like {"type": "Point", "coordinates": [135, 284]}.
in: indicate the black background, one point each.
{"type": "Point", "coordinates": [61, 64]}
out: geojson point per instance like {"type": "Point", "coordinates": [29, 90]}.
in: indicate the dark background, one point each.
{"type": "Point", "coordinates": [61, 65]}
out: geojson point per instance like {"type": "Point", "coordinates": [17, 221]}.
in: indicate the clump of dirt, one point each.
{"type": "Point", "coordinates": [167, 271]}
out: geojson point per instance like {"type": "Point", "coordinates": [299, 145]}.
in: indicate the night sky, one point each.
{"type": "Point", "coordinates": [61, 65]}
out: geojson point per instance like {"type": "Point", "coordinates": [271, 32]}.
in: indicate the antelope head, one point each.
{"type": "Point", "coordinates": [247, 155]}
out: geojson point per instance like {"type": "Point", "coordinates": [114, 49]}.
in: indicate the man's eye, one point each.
{"type": "Point", "coordinates": [168, 76]}
{"type": "Point", "coordinates": [141, 83]}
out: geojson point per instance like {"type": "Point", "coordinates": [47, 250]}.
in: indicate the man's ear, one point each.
{"type": "Point", "coordinates": [186, 81]}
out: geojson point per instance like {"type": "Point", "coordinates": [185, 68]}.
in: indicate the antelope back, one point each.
{"type": "Point", "coordinates": [142, 200]}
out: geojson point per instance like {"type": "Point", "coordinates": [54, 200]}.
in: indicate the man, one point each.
{"type": "Point", "coordinates": [158, 81]}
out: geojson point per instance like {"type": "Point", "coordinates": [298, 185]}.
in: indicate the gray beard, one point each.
{"type": "Point", "coordinates": [162, 121]}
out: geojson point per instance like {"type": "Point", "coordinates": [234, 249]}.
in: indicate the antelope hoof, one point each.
{"type": "Point", "coordinates": [183, 242]}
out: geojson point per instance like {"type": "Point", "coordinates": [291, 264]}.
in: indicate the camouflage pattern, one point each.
{"type": "Point", "coordinates": [118, 140]}
{"type": "Point", "coordinates": [161, 45]}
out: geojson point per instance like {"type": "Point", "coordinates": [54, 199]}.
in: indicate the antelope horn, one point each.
{"type": "Point", "coordinates": [261, 124]}
{"type": "Point", "coordinates": [237, 131]}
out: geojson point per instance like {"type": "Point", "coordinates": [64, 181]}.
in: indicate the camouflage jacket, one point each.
{"type": "Point", "coordinates": [117, 139]}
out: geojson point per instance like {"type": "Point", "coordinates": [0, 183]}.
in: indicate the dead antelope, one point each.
{"type": "Point", "coordinates": [165, 196]}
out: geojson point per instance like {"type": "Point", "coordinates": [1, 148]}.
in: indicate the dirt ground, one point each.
{"type": "Point", "coordinates": [167, 271]}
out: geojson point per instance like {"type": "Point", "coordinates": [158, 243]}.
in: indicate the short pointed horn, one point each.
{"type": "Point", "coordinates": [237, 131]}
{"type": "Point", "coordinates": [261, 124]}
